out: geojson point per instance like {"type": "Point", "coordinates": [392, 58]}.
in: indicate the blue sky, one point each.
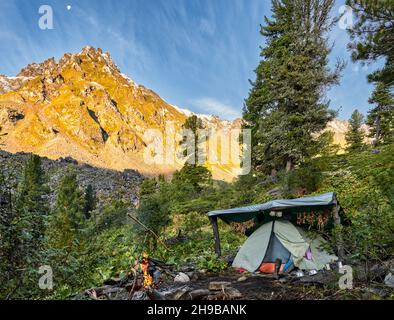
{"type": "Point", "coordinates": [197, 54]}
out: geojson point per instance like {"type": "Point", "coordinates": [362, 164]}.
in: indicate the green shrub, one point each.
{"type": "Point", "coordinates": [112, 215]}
{"type": "Point", "coordinates": [308, 177]}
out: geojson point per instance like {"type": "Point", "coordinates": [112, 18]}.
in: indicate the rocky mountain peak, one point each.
{"type": "Point", "coordinates": [88, 55]}
{"type": "Point", "coordinates": [83, 107]}
{"type": "Point", "coordinates": [38, 69]}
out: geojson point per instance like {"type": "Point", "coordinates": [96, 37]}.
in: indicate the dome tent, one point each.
{"type": "Point", "coordinates": [277, 237]}
{"type": "Point", "coordinates": [280, 239]}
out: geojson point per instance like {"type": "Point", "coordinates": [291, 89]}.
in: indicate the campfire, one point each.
{"type": "Point", "coordinates": [171, 285]}
{"type": "Point", "coordinates": [143, 268]}
{"type": "Point", "coordinates": [148, 279]}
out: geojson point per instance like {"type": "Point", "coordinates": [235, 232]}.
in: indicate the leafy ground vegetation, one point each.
{"type": "Point", "coordinates": [85, 248]}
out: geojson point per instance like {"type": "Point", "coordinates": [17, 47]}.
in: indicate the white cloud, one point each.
{"type": "Point", "coordinates": [215, 107]}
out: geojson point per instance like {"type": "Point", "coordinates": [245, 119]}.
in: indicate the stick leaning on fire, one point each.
{"type": "Point", "coordinates": [162, 266]}
{"type": "Point", "coordinates": [148, 229]}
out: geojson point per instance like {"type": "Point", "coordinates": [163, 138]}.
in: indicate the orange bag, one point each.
{"type": "Point", "coordinates": [269, 268]}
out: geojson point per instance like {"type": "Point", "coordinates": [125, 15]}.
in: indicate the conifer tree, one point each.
{"type": "Point", "coordinates": [90, 201]}
{"type": "Point", "coordinates": [193, 174]}
{"type": "Point", "coordinates": [373, 36]}
{"type": "Point", "coordinates": [381, 117]}
{"type": "Point", "coordinates": [8, 237]}
{"type": "Point", "coordinates": [67, 220]}
{"type": "Point", "coordinates": [23, 223]}
{"type": "Point", "coordinates": [148, 186]}
{"type": "Point", "coordinates": [194, 124]}
{"type": "Point", "coordinates": [32, 205]}
{"type": "Point", "coordinates": [355, 135]}
{"type": "Point", "coordinates": [67, 234]}
{"type": "Point", "coordinates": [286, 106]}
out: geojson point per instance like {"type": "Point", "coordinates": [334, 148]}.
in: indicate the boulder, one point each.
{"type": "Point", "coordinates": [389, 280]}
{"type": "Point", "coordinates": [182, 278]}
{"type": "Point", "coordinates": [140, 295]}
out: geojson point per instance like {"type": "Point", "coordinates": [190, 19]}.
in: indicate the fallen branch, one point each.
{"type": "Point", "coordinates": [134, 282]}
{"type": "Point", "coordinates": [226, 294]}
{"type": "Point", "coordinates": [161, 264]}
{"type": "Point", "coordinates": [218, 285]}
{"type": "Point", "coordinates": [95, 293]}
{"type": "Point", "coordinates": [153, 294]}
{"type": "Point", "coordinates": [198, 294]}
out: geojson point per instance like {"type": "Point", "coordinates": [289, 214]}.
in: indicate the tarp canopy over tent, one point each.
{"type": "Point", "coordinates": [293, 206]}
{"type": "Point", "coordinates": [288, 208]}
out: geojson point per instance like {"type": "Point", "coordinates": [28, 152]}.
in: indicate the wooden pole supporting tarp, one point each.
{"type": "Point", "coordinates": [214, 222]}
{"type": "Point", "coordinates": [337, 222]}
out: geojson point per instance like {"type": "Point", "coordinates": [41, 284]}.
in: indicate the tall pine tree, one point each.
{"type": "Point", "coordinates": [381, 117]}
{"type": "Point", "coordinates": [23, 223]}
{"type": "Point", "coordinates": [90, 201]}
{"type": "Point", "coordinates": [193, 173]}
{"type": "Point", "coordinates": [355, 135]}
{"type": "Point", "coordinates": [68, 218]}
{"type": "Point", "coordinates": [67, 235]}
{"type": "Point", "coordinates": [286, 106]}
{"type": "Point", "coordinates": [32, 203]}
{"type": "Point", "coordinates": [194, 125]}
{"type": "Point", "coordinates": [373, 36]}
{"type": "Point", "coordinates": [8, 238]}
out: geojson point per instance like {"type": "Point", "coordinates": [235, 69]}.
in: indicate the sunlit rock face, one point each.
{"type": "Point", "coordinates": [83, 107]}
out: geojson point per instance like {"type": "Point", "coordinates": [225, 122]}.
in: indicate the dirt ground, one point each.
{"type": "Point", "coordinates": [246, 286]}
{"type": "Point", "coordinates": [268, 287]}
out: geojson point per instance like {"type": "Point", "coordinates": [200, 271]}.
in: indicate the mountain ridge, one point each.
{"type": "Point", "coordinates": [83, 107]}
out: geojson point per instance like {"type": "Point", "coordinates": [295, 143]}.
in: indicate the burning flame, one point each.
{"type": "Point", "coordinates": [148, 280]}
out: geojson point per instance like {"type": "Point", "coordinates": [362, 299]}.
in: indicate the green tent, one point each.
{"type": "Point", "coordinates": [280, 213]}
{"type": "Point", "coordinates": [280, 239]}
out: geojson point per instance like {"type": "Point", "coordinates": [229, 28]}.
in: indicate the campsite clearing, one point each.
{"type": "Point", "coordinates": [323, 286]}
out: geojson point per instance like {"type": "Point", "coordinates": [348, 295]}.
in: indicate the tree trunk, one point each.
{"type": "Point", "coordinates": [289, 165]}
{"type": "Point", "coordinates": [337, 221]}
{"type": "Point", "coordinates": [377, 129]}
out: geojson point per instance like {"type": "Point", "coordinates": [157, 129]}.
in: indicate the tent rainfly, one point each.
{"type": "Point", "coordinates": [321, 202]}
